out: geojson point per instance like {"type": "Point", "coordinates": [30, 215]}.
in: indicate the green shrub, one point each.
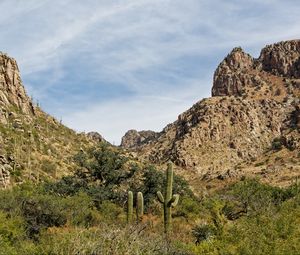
{"type": "Point", "coordinates": [111, 212]}
{"type": "Point", "coordinates": [277, 144]}
{"type": "Point", "coordinates": [105, 164]}
{"type": "Point", "coordinates": [80, 210]}
{"type": "Point", "coordinates": [203, 232]}
{"type": "Point", "coordinates": [256, 197]}
{"type": "Point", "coordinates": [42, 212]}
{"type": "Point", "coordinates": [188, 208]}
{"type": "Point", "coordinates": [67, 186]}
{"type": "Point", "coordinates": [12, 229]}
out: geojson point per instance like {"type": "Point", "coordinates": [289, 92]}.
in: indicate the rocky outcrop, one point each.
{"type": "Point", "coordinates": [95, 136]}
{"type": "Point", "coordinates": [239, 72]}
{"type": "Point", "coordinates": [233, 74]}
{"type": "Point", "coordinates": [282, 59]}
{"type": "Point", "coordinates": [133, 139]}
{"type": "Point", "coordinates": [12, 92]}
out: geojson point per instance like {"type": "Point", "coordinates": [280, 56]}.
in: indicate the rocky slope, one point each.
{"type": "Point", "coordinates": [33, 145]}
{"type": "Point", "coordinates": [251, 119]}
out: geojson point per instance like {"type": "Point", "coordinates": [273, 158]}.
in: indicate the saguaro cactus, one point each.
{"type": "Point", "coordinates": [139, 206]}
{"type": "Point", "coordinates": [168, 200]}
{"type": "Point", "coordinates": [129, 207]}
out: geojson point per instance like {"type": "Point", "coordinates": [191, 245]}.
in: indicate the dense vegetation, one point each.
{"type": "Point", "coordinates": [85, 214]}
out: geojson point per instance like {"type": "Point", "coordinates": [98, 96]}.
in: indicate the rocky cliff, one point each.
{"type": "Point", "coordinates": [12, 92]}
{"type": "Point", "coordinates": [254, 104]}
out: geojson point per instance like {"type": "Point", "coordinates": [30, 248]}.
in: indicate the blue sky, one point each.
{"type": "Point", "coordinates": [113, 65]}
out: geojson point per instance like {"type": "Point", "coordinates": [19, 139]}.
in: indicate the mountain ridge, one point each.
{"type": "Point", "coordinates": [253, 103]}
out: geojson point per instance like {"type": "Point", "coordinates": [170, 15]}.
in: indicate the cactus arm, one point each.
{"type": "Point", "coordinates": [160, 197]}
{"type": "Point", "coordinates": [174, 201]}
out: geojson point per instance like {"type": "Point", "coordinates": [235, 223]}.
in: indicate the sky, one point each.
{"type": "Point", "coordinates": [114, 65]}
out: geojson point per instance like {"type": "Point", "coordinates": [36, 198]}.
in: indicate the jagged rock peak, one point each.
{"type": "Point", "coordinates": [12, 92]}
{"type": "Point", "coordinates": [282, 58]}
{"type": "Point", "coordinates": [239, 71]}
{"type": "Point", "coordinates": [95, 136]}
{"type": "Point", "coordinates": [229, 78]}
{"type": "Point", "coordinates": [134, 138]}
{"type": "Point", "coordinates": [238, 59]}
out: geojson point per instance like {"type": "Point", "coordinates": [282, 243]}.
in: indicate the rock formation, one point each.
{"type": "Point", "coordinates": [95, 136]}
{"type": "Point", "coordinates": [12, 92]}
{"type": "Point", "coordinates": [254, 102]}
{"type": "Point", "coordinates": [282, 59]}
{"type": "Point", "coordinates": [239, 72]}
{"type": "Point", "coordinates": [134, 139]}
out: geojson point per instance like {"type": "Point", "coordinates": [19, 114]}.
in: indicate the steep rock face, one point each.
{"type": "Point", "coordinates": [134, 139]}
{"type": "Point", "coordinates": [282, 58]}
{"type": "Point", "coordinates": [12, 92]}
{"type": "Point", "coordinates": [251, 107]}
{"type": "Point", "coordinates": [233, 74]}
{"type": "Point", "coordinates": [239, 72]}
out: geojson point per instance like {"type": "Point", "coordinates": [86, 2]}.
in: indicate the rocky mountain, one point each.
{"type": "Point", "coordinates": [133, 138]}
{"type": "Point", "coordinates": [33, 144]}
{"type": "Point", "coordinates": [249, 125]}
{"type": "Point", "coordinates": [95, 136]}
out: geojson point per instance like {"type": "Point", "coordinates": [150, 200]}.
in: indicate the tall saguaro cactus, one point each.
{"type": "Point", "coordinates": [129, 207]}
{"type": "Point", "coordinates": [139, 207]}
{"type": "Point", "coordinates": [168, 200]}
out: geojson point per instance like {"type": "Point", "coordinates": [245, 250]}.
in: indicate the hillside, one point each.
{"type": "Point", "coordinates": [34, 145]}
{"type": "Point", "coordinates": [250, 125]}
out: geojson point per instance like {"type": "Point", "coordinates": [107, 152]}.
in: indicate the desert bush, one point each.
{"type": "Point", "coordinates": [203, 232]}
{"type": "Point", "coordinates": [105, 164]}
{"type": "Point", "coordinates": [189, 208]}
{"type": "Point", "coordinates": [13, 239]}
{"type": "Point", "coordinates": [111, 212]}
{"type": "Point", "coordinates": [42, 212]}
{"type": "Point", "coordinates": [277, 144]}
{"type": "Point", "coordinates": [257, 197]}
{"type": "Point", "coordinates": [67, 186]}
{"type": "Point", "coordinates": [80, 210]}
